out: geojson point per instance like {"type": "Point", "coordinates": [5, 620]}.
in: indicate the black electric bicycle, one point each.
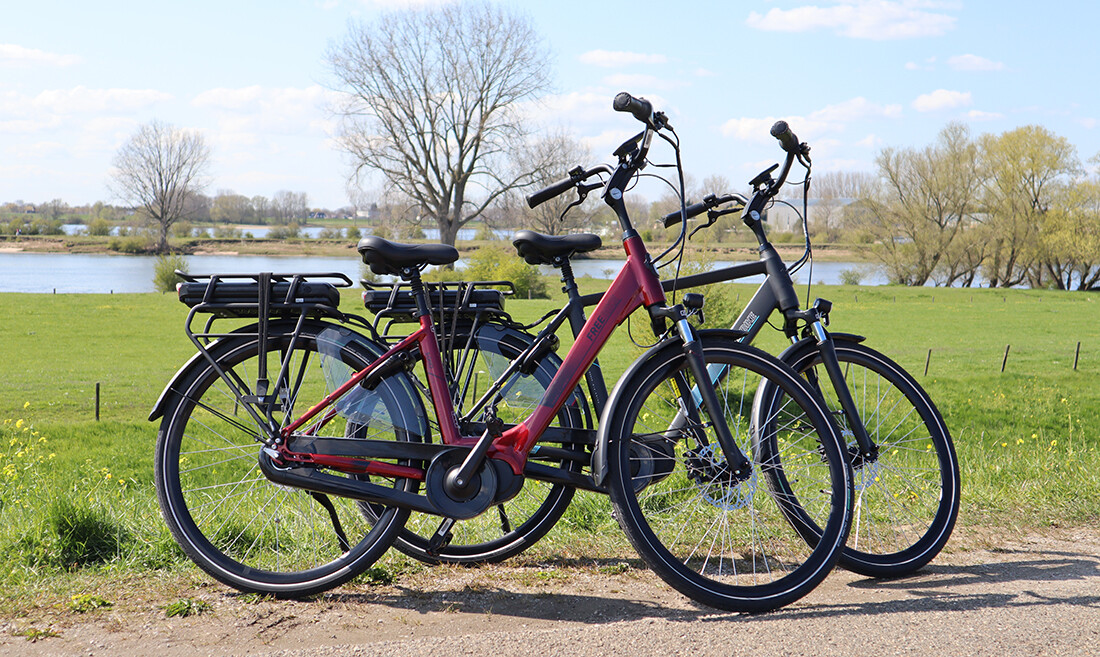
{"type": "Point", "coordinates": [906, 472]}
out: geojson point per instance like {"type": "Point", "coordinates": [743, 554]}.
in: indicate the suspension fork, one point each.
{"type": "Point", "coordinates": [868, 450]}
{"type": "Point", "coordinates": [704, 389]}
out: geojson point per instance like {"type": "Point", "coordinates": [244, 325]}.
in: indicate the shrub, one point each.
{"type": "Point", "coordinates": [100, 227]}
{"type": "Point", "coordinates": [164, 271]}
{"type": "Point", "coordinates": [133, 244]}
{"type": "Point", "coordinates": [227, 232]}
{"type": "Point", "coordinates": [501, 264]}
{"type": "Point", "coordinates": [851, 276]}
{"type": "Point", "coordinates": [290, 231]}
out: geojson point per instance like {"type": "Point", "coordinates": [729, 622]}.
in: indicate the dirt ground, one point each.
{"type": "Point", "coordinates": [1034, 595]}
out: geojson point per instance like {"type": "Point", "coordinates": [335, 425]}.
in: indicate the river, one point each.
{"type": "Point", "coordinates": [65, 273]}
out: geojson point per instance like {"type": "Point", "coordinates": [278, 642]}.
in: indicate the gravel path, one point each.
{"type": "Point", "coordinates": [1038, 595]}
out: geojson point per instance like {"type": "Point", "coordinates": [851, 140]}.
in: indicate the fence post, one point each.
{"type": "Point", "coordinates": [1076, 355]}
{"type": "Point", "coordinates": [1005, 361]}
{"type": "Point", "coordinates": [97, 402]}
{"type": "Point", "coordinates": [927, 361]}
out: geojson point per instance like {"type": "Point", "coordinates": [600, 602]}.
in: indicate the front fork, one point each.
{"type": "Point", "coordinates": [738, 464]}
{"type": "Point", "coordinates": [865, 450]}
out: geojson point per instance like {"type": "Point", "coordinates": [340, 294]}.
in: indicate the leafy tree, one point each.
{"type": "Point", "coordinates": [432, 103]}
{"type": "Point", "coordinates": [1026, 170]}
{"type": "Point", "coordinates": [928, 197]}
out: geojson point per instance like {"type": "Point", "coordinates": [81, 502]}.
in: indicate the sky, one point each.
{"type": "Point", "coordinates": [851, 77]}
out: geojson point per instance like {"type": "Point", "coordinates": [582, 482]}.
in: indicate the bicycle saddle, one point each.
{"type": "Point", "coordinates": [389, 258]}
{"type": "Point", "coordinates": [538, 249]}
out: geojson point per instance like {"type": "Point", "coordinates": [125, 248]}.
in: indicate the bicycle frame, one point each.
{"type": "Point", "coordinates": [637, 285]}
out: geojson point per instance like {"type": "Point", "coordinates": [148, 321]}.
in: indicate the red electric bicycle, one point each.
{"type": "Point", "coordinates": [292, 448]}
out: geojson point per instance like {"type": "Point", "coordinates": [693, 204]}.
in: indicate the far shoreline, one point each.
{"type": "Point", "coordinates": [299, 247]}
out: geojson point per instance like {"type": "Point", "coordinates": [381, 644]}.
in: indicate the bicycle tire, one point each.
{"type": "Point", "coordinates": [907, 501]}
{"type": "Point", "coordinates": [235, 524]}
{"type": "Point", "coordinates": [478, 355]}
{"type": "Point", "coordinates": [719, 541]}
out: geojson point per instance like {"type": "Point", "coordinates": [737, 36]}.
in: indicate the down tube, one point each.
{"type": "Point", "coordinates": [622, 298]}
{"type": "Point", "coordinates": [751, 320]}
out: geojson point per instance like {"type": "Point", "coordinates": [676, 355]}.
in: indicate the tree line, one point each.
{"type": "Point", "coordinates": [1003, 210]}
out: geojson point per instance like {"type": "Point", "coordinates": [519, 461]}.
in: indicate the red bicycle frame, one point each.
{"type": "Point", "coordinates": [636, 285]}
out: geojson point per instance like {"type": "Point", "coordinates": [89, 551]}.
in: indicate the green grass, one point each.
{"type": "Point", "coordinates": [1027, 438]}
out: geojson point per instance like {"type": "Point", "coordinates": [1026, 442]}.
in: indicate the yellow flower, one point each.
{"type": "Point", "coordinates": [1004, 444]}
{"type": "Point", "coordinates": [1053, 443]}
{"type": "Point", "coordinates": [28, 404]}
{"type": "Point", "coordinates": [19, 424]}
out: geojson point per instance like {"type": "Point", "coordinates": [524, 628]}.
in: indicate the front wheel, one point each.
{"type": "Point", "coordinates": [717, 537]}
{"type": "Point", "coordinates": [906, 500]}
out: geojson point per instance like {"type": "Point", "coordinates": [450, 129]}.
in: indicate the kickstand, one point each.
{"type": "Point", "coordinates": [324, 501]}
{"type": "Point", "coordinates": [442, 537]}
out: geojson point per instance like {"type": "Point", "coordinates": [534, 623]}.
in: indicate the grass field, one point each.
{"type": "Point", "coordinates": [77, 493]}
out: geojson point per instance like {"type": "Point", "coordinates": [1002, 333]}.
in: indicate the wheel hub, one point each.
{"type": "Point", "coordinates": [716, 482]}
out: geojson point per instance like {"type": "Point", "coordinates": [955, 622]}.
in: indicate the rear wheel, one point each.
{"type": "Point", "coordinates": [237, 525]}
{"type": "Point", "coordinates": [714, 535]}
{"type": "Point", "coordinates": [478, 357]}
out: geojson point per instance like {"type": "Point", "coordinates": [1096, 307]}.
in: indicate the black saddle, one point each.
{"type": "Point", "coordinates": [390, 258]}
{"type": "Point", "coordinates": [538, 249]}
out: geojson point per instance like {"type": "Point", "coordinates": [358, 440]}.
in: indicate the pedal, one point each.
{"type": "Point", "coordinates": [441, 538]}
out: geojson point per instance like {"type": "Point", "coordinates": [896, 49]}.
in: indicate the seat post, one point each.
{"type": "Point", "coordinates": [416, 285]}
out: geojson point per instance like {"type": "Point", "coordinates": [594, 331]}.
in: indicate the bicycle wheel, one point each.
{"type": "Point", "coordinates": [477, 357]}
{"type": "Point", "coordinates": [907, 500]}
{"type": "Point", "coordinates": [718, 538]}
{"type": "Point", "coordinates": [233, 522]}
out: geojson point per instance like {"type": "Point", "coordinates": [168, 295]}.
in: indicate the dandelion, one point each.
{"type": "Point", "coordinates": [1004, 444]}
{"type": "Point", "coordinates": [19, 423]}
{"type": "Point", "coordinates": [1054, 443]}
{"type": "Point", "coordinates": [27, 405]}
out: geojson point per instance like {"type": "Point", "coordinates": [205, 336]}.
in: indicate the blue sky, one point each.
{"type": "Point", "coordinates": [850, 76]}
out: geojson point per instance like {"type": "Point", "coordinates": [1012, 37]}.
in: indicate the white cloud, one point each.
{"type": "Point", "coordinates": [619, 58]}
{"type": "Point", "coordinates": [942, 99]}
{"type": "Point", "coordinates": [829, 119]}
{"type": "Point", "coordinates": [13, 56]}
{"type": "Point", "coordinates": [855, 109]}
{"type": "Point", "coordinates": [859, 19]}
{"type": "Point", "coordinates": [978, 115]}
{"type": "Point", "coordinates": [973, 63]}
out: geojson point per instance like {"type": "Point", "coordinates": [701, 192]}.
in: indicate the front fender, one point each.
{"type": "Point", "coordinates": [791, 353]}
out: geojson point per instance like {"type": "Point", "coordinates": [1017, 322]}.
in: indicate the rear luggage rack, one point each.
{"type": "Point", "coordinates": [263, 295]}
{"type": "Point", "coordinates": [450, 302]}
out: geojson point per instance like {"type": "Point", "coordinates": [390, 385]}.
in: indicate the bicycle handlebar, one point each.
{"type": "Point", "coordinates": [787, 139]}
{"type": "Point", "coordinates": [547, 193]}
{"type": "Point", "coordinates": [710, 201]}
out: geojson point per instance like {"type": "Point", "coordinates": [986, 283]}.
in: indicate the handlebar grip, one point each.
{"type": "Point", "coordinates": [673, 218]}
{"type": "Point", "coordinates": [641, 108]}
{"type": "Point", "coordinates": [786, 137]}
{"type": "Point", "coordinates": [547, 193]}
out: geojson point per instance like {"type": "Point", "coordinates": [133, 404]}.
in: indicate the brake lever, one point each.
{"type": "Point", "coordinates": [712, 217]}
{"type": "Point", "coordinates": [582, 195]}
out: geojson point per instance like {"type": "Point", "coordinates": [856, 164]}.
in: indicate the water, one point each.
{"type": "Point", "coordinates": [98, 273]}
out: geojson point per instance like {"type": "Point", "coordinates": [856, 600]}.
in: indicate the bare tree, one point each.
{"type": "Point", "coordinates": [157, 170]}
{"type": "Point", "coordinates": [555, 156]}
{"type": "Point", "coordinates": [432, 104]}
